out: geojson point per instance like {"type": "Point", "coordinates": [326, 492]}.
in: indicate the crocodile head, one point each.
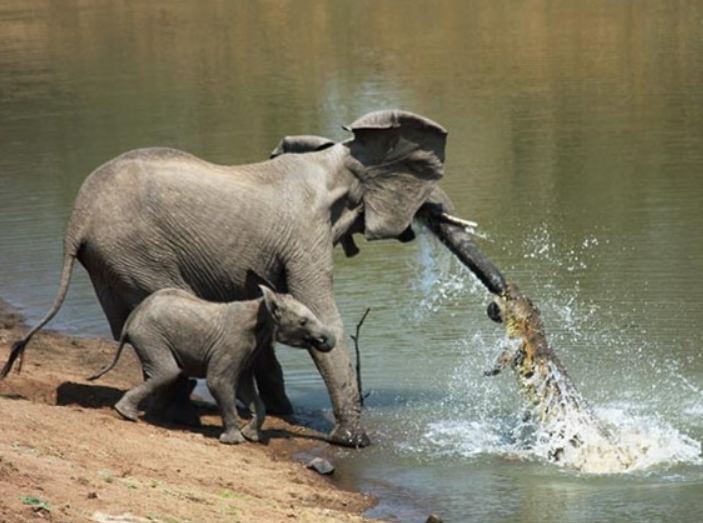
{"type": "Point", "coordinates": [522, 322]}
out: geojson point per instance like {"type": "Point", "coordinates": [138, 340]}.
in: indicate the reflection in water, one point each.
{"type": "Point", "coordinates": [575, 142]}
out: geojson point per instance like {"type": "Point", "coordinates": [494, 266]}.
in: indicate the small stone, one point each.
{"type": "Point", "coordinates": [434, 518]}
{"type": "Point", "coordinates": [321, 466]}
{"type": "Point", "coordinates": [92, 495]}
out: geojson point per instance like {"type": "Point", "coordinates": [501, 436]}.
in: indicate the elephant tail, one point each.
{"type": "Point", "coordinates": [18, 347]}
{"type": "Point", "coordinates": [118, 353]}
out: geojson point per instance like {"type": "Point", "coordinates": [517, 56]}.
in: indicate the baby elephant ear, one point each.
{"type": "Point", "coordinates": [399, 156]}
{"type": "Point", "coordinates": [301, 144]}
{"type": "Point", "coordinates": [271, 301]}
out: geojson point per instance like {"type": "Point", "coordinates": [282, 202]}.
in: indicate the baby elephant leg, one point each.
{"type": "Point", "coordinates": [222, 389]}
{"type": "Point", "coordinates": [159, 373]}
{"type": "Point", "coordinates": [248, 394]}
{"type": "Point", "coordinates": [173, 403]}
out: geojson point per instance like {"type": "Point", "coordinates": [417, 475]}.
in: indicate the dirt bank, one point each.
{"type": "Point", "coordinates": [66, 456]}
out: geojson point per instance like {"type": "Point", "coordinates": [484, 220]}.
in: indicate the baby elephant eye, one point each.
{"type": "Point", "coordinates": [303, 322]}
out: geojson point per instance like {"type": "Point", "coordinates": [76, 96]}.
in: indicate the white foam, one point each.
{"type": "Point", "coordinates": [643, 443]}
{"type": "Point", "coordinates": [650, 441]}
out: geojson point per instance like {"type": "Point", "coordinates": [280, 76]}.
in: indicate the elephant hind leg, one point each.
{"type": "Point", "coordinates": [161, 371]}
{"type": "Point", "coordinates": [128, 406]}
{"type": "Point", "coordinates": [116, 309]}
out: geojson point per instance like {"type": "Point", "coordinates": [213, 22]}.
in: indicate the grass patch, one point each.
{"type": "Point", "coordinates": [36, 503]}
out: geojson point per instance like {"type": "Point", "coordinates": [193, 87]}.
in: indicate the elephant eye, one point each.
{"type": "Point", "coordinates": [303, 322]}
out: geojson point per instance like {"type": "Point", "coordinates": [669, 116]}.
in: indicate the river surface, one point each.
{"type": "Point", "coordinates": [575, 141]}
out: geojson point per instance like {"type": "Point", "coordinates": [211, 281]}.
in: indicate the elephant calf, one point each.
{"type": "Point", "coordinates": [177, 334]}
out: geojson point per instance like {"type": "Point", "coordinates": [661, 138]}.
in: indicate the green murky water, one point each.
{"type": "Point", "coordinates": [576, 142]}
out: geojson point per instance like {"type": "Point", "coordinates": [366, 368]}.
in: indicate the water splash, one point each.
{"type": "Point", "coordinates": [648, 442]}
{"type": "Point", "coordinates": [440, 279]}
{"type": "Point", "coordinates": [604, 441]}
{"type": "Point", "coordinates": [483, 417]}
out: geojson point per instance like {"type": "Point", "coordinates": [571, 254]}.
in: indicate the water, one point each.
{"type": "Point", "coordinates": [475, 423]}
{"type": "Point", "coordinates": [575, 142]}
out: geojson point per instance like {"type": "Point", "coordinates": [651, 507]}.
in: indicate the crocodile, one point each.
{"type": "Point", "coordinates": [567, 426]}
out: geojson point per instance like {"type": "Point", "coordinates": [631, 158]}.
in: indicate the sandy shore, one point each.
{"type": "Point", "coordinates": [66, 456]}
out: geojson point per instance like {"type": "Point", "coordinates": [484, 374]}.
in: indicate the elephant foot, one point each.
{"type": "Point", "coordinates": [232, 437]}
{"type": "Point", "coordinates": [127, 410]}
{"type": "Point", "coordinates": [347, 436]}
{"type": "Point", "coordinates": [251, 433]}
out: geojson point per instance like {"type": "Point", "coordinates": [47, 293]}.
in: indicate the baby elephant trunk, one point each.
{"type": "Point", "coordinates": [324, 341]}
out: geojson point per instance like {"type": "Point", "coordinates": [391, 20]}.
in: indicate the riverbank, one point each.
{"type": "Point", "coordinates": [66, 456]}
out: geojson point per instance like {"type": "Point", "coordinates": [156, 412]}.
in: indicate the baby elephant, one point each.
{"type": "Point", "coordinates": [177, 334]}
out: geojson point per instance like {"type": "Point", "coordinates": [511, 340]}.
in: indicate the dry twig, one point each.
{"type": "Point", "coordinates": [355, 337]}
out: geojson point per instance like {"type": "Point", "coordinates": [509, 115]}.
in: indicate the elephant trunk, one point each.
{"type": "Point", "coordinates": [460, 242]}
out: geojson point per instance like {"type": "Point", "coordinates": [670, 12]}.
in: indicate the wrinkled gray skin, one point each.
{"type": "Point", "coordinates": [176, 334]}
{"type": "Point", "coordinates": [156, 218]}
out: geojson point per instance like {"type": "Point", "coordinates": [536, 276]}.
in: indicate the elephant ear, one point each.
{"type": "Point", "coordinates": [398, 157]}
{"type": "Point", "coordinates": [301, 144]}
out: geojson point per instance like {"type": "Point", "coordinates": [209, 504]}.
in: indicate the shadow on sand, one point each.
{"type": "Point", "coordinates": [101, 396]}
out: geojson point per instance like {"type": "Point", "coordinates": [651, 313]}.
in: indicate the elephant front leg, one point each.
{"type": "Point", "coordinates": [340, 379]}
{"type": "Point", "coordinates": [269, 378]}
{"type": "Point", "coordinates": [334, 366]}
{"type": "Point", "coordinates": [247, 393]}
{"type": "Point", "coordinates": [223, 391]}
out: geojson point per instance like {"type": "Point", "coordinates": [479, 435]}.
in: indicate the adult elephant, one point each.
{"type": "Point", "coordinates": [155, 218]}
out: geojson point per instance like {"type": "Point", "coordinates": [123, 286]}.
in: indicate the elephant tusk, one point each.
{"type": "Point", "coordinates": [457, 221]}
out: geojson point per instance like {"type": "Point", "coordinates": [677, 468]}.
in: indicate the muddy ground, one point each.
{"type": "Point", "coordinates": [65, 455]}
